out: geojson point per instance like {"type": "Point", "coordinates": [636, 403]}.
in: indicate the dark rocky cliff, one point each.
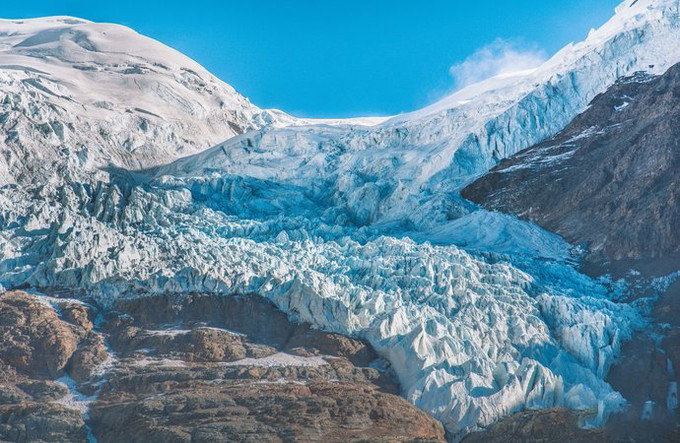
{"type": "Point", "coordinates": [609, 181]}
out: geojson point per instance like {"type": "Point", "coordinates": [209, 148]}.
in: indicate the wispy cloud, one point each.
{"type": "Point", "coordinates": [499, 57]}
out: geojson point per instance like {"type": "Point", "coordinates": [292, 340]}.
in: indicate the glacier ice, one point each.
{"type": "Point", "coordinates": [471, 338]}
{"type": "Point", "coordinates": [77, 96]}
{"type": "Point", "coordinates": [354, 226]}
{"type": "Point", "coordinates": [409, 169]}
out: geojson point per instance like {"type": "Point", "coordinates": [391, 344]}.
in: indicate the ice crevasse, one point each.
{"type": "Point", "coordinates": [323, 220]}
{"type": "Point", "coordinates": [470, 340]}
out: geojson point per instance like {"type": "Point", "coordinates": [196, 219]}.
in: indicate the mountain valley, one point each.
{"type": "Point", "coordinates": [178, 264]}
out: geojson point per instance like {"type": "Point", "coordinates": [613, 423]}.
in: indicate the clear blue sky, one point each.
{"type": "Point", "coordinates": [331, 58]}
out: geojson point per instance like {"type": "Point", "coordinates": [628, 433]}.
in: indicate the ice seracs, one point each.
{"type": "Point", "coordinates": [471, 340]}
{"type": "Point", "coordinates": [356, 229]}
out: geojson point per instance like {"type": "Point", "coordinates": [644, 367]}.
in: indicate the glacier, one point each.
{"type": "Point", "coordinates": [107, 190]}
{"type": "Point", "coordinates": [471, 339]}
{"type": "Point", "coordinates": [79, 96]}
{"type": "Point", "coordinates": [409, 169]}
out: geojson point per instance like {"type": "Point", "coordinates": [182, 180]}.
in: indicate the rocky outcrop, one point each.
{"type": "Point", "coordinates": [32, 410]}
{"type": "Point", "coordinates": [546, 426]}
{"type": "Point", "coordinates": [205, 368]}
{"type": "Point", "coordinates": [39, 342]}
{"type": "Point", "coordinates": [334, 401]}
{"type": "Point", "coordinates": [561, 425]}
{"type": "Point", "coordinates": [609, 181]}
{"type": "Point", "coordinates": [33, 339]}
{"type": "Point", "coordinates": [31, 421]}
{"type": "Point", "coordinates": [193, 368]}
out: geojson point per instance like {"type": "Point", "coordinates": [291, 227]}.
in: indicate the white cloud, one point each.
{"type": "Point", "coordinates": [499, 57]}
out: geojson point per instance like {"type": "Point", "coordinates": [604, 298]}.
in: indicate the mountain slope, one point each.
{"type": "Point", "coordinates": [77, 96]}
{"type": "Point", "coordinates": [407, 171]}
{"type": "Point", "coordinates": [609, 181]}
{"type": "Point", "coordinates": [321, 220]}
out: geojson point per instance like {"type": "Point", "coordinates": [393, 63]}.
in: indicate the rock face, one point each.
{"type": "Point", "coordinates": [547, 426]}
{"type": "Point", "coordinates": [34, 340]}
{"type": "Point", "coordinates": [37, 344]}
{"type": "Point", "coordinates": [329, 402]}
{"type": "Point", "coordinates": [191, 368]}
{"type": "Point", "coordinates": [31, 421]}
{"type": "Point", "coordinates": [205, 368]}
{"type": "Point", "coordinates": [609, 181]}
{"type": "Point", "coordinates": [32, 410]}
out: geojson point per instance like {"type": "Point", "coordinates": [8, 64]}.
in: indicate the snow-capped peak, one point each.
{"type": "Point", "coordinates": [77, 96]}
{"type": "Point", "coordinates": [82, 41]}
{"type": "Point", "coordinates": [314, 217]}
{"type": "Point", "coordinates": [630, 16]}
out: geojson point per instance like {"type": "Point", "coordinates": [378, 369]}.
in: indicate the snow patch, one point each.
{"type": "Point", "coordinates": [279, 359]}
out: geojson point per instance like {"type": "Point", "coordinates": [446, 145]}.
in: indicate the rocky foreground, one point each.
{"type": "Point", "coordinates": [190, 369]}
{"type": "Point", "coordinates": [205, 368]}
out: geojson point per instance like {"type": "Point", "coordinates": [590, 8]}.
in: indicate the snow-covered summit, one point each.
{"type": "Point", "coordinates": [408, 170]}
{"type": "Point", "coordinates": [631, 16]}
{"type": "Point", "coordinates": [76, 96]}
{"type": "Point", "coordinates": [317, 218]}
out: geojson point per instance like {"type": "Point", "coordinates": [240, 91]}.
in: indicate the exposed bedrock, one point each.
{"type": "Point", "coordinates": [193, 368]}
{"type": "Point", "coordinates": [609, 181]}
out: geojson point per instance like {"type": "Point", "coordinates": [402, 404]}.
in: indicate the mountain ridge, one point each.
{"type": "Point", "coordinates": [607, 181]}
{"type": "Point", "coordinates": [79, 95]}
{"type": "Point", "coordinates": [357, 230]}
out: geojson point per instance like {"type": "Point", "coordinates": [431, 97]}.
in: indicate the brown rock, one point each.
{"type": "Point", "coordinates": [306, 338]}
{"type": "Point", "coordinates": [32, 337]}
{"type": "Point", "coordinates": [89, 355]}
{"type": "Point", "coordinates": [8, 374]}
{"type": "Point", "coordinates": [43, 390]}
{"type": "Point", "coordinates": [78, 315]}
{"type": "Point", "coordinates": [10, 395]}
{"type": "Point", "coordinates": [194, 400]}
{"type": "Point", "coordinates": [262, 404]}
{"type": "Point", "coordinates": [545, 426]}
{"type": "Point", "coordinates": [251, 315]}
{"type": "Point", "coordinates": [41, 422]}
{"type": "Point", "coordinates": [177, 376]}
